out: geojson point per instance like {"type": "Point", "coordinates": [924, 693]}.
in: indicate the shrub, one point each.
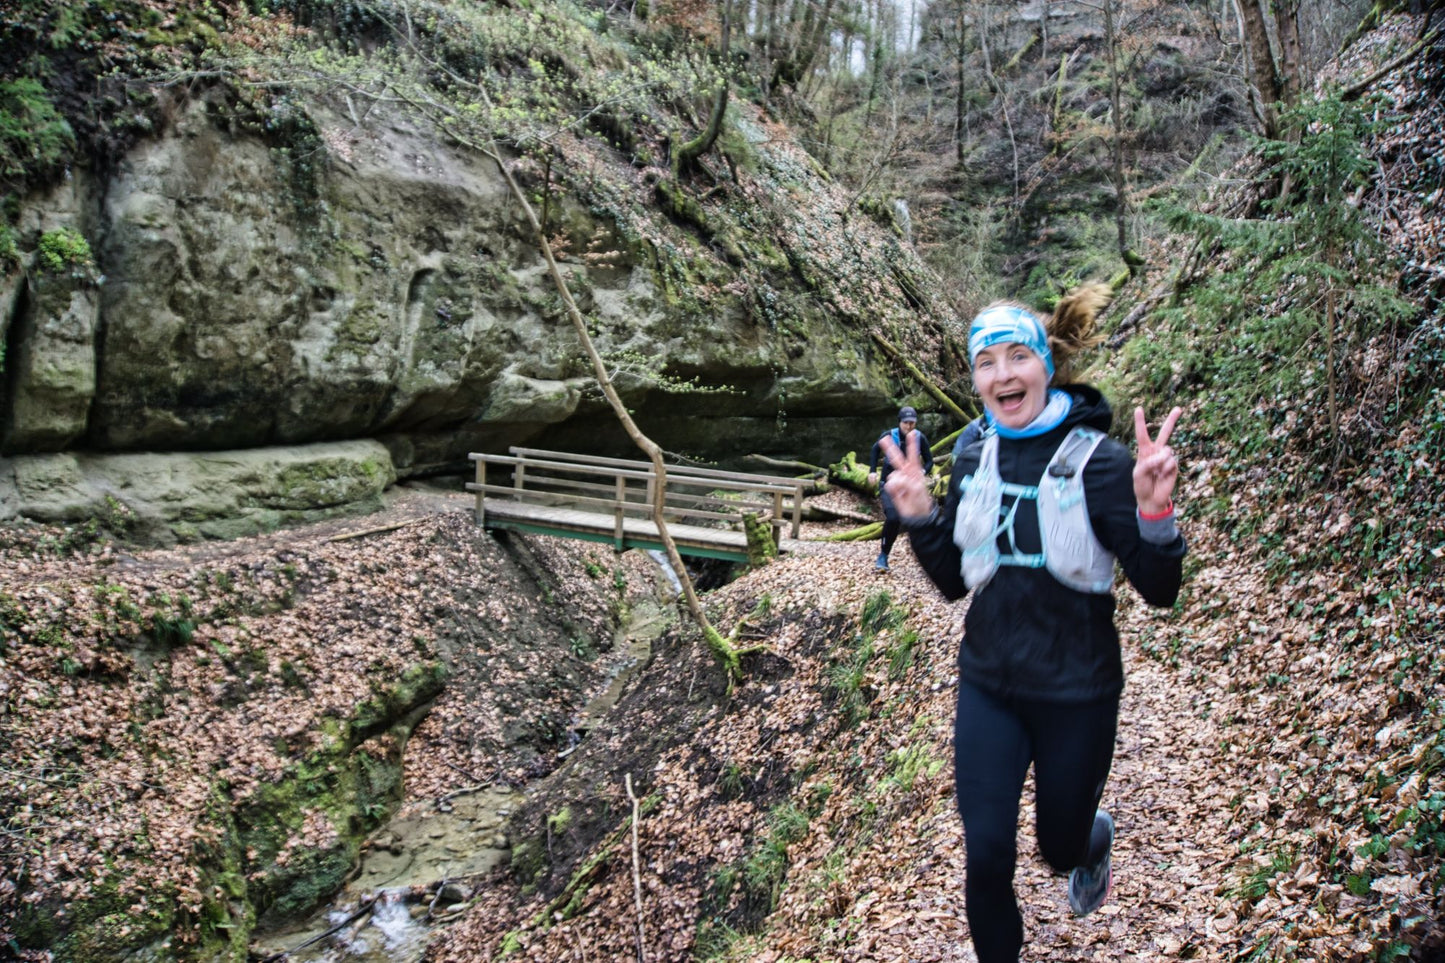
{"type": "Point", "coordinates": [64, 250]}
{"type": "Point", "coordinates": [33, 135]}
{"type": "Point", "coordinates": [1294, 293]}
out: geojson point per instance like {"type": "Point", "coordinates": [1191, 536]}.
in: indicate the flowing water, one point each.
{"type": "Point", "coordinates": [381, 915]}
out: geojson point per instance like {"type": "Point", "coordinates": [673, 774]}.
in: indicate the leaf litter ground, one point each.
{"type": "Point", "coordinates": [808, 814]}
{"type": "Point", "coordinates": [877, 871]}
{"type": "Point", "coordinates": [1258, 762]}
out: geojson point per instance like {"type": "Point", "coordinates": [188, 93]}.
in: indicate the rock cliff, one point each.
{"type": "Point", "coordinates": [315, 280]}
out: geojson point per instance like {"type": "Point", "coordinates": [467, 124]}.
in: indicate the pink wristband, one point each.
{"type": "Point", "coordinates": [1158, 516]}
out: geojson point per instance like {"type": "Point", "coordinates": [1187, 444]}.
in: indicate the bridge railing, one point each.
{"type": "Point", "coordinates": [623, 488]}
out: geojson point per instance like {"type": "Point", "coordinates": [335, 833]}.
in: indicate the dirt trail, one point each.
{"type": "Point", "coordinates": [875, 870]}
{"type": "Point", "coordinates": [1169, 792]}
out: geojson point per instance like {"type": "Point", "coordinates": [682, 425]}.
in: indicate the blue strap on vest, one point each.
{"type": "Point", "coordinates": [1020, 493]}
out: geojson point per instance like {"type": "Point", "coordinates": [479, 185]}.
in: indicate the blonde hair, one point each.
{"type": "Point", "coordinates": [1071, 328]}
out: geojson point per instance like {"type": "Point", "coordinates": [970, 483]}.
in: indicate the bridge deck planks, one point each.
{"type": "Point", "coordinates": [546, 496]}
{"type": "Point", "coordinates": [636, 532]}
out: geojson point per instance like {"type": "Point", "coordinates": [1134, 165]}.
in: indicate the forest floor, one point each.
{"type": "Point", "coordinates": [805, 814]}
{"type": "Point", "coordinates": [1262, 783]}
{"type": "Point", "coordinates": [840, 810]}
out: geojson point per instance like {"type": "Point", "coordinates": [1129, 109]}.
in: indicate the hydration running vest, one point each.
{"type": "Point", "coordinates": [1071, 551]}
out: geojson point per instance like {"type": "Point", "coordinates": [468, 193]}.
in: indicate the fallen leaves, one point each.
{"type": "Point", "coordinates": [125, 746]}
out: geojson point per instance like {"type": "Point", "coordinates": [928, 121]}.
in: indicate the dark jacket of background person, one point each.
{"type": "Point", "coordinates": [885, 469]}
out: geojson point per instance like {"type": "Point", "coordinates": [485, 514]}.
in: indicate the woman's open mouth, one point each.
{"type": "Point", "coordinates": [1011, 401]}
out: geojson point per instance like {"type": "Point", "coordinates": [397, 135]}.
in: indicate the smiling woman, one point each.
{"type": "Point", "coordinates": [1013, 356]}
{"type": "Point", "coordinates": [1039, 509]}
{"type": "Point", "coordinates": [1013, 383]}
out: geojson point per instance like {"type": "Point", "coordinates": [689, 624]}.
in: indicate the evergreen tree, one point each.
{"type": "Point", "coordinates": [1301, 288]}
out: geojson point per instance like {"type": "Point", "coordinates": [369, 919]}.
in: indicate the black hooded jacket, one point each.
{"type": "Point", "coordinates": [1027, 634]}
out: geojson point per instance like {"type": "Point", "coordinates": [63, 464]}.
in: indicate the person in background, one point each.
{"type": "Point", "coordinates": [879, 467]}
{"type": "Point", "coordinates": [1038, 511]}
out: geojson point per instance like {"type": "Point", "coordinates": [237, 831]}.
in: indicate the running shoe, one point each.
{"type": "Point", "coordinates": [1089, 885]}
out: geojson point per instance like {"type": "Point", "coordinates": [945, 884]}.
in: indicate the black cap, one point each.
{"type": "Point", "coordinates": [907, 414]}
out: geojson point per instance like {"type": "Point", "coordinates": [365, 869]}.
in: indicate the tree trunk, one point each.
{"type": "Point", "coordinates": [852, 473]}
{"type": "Point", "coordinates": [723, 648]}
{"type": "Point", "coordinates": [865, 534]}
{"type": "Point", "coordinates": [1330, 325]}
{"type": "Point", "coordinates": [1286, 22]}
{"type": "Point", "coordinates": [685, 155]}
{"type": "Point", "coordinates": [768, 28]}
{"type": "Point", "coordinates": [1008, 123]}
{"type": "Point", "coordinates": [923, 381]}
{"type": "Point", "coordinates": [960, 96]}
{"type": "Point", "coordinates": [788, 46]}
{"type": "Point", "coordinates": [761, 546]}
{"type": "Point", "coordinates": [1121, 198]}
{"type": "Point", "coordinates": [805, 36]}
{"type": "Point", "coordinates": [875, 65]}
{"type": "Point", "coordinates": [1056, 115]}
{"type": "Point", "coordinates": [814, 40]}
{"type": "Point", "coordinates": [484, 142]}
{"type": "Point", "coordinates": [1263, 71]}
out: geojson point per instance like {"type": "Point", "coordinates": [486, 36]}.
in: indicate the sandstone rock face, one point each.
{"type": "Point", "coordinates": [338, 282]}
{"type": "Point", "coordinates": [163, 497]}
{"type": "Point", "coordinates": [52, 373]}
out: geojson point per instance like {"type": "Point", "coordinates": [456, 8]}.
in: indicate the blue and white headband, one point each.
{"type": "Point", "coordinates": [1009, 324]}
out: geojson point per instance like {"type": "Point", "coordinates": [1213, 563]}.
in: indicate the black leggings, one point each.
{"type": "Point", "coordinates": [1071, 746]}
{"type": "Point", "coordinates": [891, 522]}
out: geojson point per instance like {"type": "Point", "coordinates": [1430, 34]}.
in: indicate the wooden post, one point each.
{"type": "Point", "coordinates": [797, 509]}
{"type": "Point", "coordinates": [481, 511]}
{"type": "Point", "coordinates": [777, 518]}
{"type": "Point", "coordinates": [617, 510]}
{"type": "Point", "coordinates": [519, 478]}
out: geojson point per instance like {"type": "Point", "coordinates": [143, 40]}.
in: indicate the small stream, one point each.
{"type": "Point", "coordinates": [382, 915]}
{"type": "Point", "coordinates": [402, 879]}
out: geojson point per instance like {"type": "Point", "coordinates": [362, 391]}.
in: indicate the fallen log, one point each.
{"type": "Point", "coordinates": [346, 536]}
{"type": "Point", "coordinates": [922, 379]}
{"type": "Point", "coordinates": [802, 467]}
{"type": "Point", "coordinates": [854, 474]}
{"type": "Point", "coordinates": [866, 533]}
{"type": "Point", "coordinates": [818, 513]}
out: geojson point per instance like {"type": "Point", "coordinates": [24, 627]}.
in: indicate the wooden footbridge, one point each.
{"type": "Point", "coordinates": [610, 500]}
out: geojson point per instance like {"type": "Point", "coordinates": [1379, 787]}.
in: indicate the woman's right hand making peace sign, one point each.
{"type": "Point", "coordinates": [907, 483]}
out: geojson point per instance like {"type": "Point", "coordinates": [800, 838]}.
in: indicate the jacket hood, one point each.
{"type": "Point", "coordinates": [1090, 409]}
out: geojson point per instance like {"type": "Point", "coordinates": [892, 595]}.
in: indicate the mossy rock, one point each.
{"type": "Point", "coordinates": [529, 862]}
{"type": "Point", "coordinates": [353, 787]}
{"type": "Point", "coordinates": [100, 927]}
{"type": "Point", "coordinates": [308, 880]}
{"type": "Point", "coordinates": [418, 684]}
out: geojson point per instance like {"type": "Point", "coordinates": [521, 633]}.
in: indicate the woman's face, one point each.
{"type": "Point", "coordinates": [1012, 382]}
